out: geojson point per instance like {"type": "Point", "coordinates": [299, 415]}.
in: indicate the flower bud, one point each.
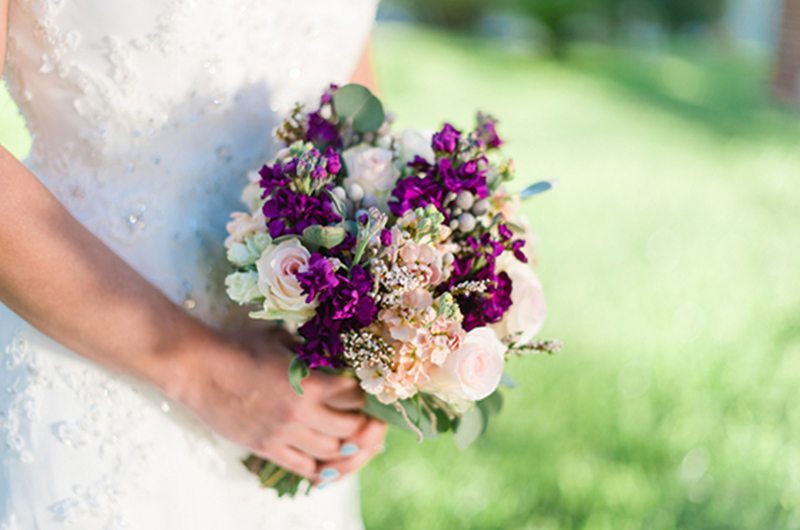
{"type": "Point", "coordinates": [465, 200]}
{"type": "Point", "coordinates": [466, 222]}
{"type": "Point", "coordinates": [355, 192]}
{"type": "Point", "coordinates": [480, 207]}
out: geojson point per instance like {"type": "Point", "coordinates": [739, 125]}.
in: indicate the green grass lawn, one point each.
{"type": "Point", "coordinates": [670, 254]}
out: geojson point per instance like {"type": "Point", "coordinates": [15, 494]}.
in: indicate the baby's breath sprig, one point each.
{"type": "Point", "coordinates": [294, 127]}
{"type": "Point", "coordinates": [549, 347]}
{"type": "Point", "coordinates": [366, 348]}
{"type": "Point", "coordinates": [470, 287]}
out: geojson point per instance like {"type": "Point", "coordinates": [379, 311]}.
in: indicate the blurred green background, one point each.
{"type": "Point", "coordinates": [670, 253]}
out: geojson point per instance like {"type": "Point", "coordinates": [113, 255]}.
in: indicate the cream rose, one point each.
{"type": "Point", "coordinates": [415, 143]}
{"type": "Point", "coordinates": [371, 168]}
{"type": "Point", "coordinates": [277, 268]}
{"type": "Point", "coordinates": [525, 317]}
{"type": "Point", "coordinates": [242, 287]}
{"type": "Point", "coordinates": [473, 371]}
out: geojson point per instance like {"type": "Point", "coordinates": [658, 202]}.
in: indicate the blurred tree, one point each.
{"type": "Point", "coordinates": [680, 15]}
{"type": "Point", "coordinates": [555, 16]}
{"type": "Point", "coordinates": [463, 15]}
{"type": "Point", "coordinates": [787, 75]}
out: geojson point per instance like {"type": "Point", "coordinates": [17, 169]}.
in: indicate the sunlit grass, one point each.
{"type": "Point", "coordinates": [670, 254]}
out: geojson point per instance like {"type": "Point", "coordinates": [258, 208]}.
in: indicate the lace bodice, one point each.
{"type": "Point", "coordinates": [147, 115]}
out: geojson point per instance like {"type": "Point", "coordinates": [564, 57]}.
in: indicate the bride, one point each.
{"type": "Point", "coordinates": [126, 400]}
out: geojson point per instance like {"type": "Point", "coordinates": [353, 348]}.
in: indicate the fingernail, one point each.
{"type": "Point", "coordinates": [323, 485]}
{"type": "Point", "coordinates": [349, 449]}
{"type": "Point", "coordinates": [329, 473]}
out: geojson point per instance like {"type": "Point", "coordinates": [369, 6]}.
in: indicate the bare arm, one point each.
{"type": "Point", "coordinates": [59, 277]}
{"type": "Point", "coordinates": [364, 73]}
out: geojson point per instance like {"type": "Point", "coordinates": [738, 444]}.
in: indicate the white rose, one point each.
{"type": "Point", "coordinates": [473, 371]}
{"type": "Point", "coordinates": [277, 268]}
{"type": "Point", "coordinates": [415, 143]}
{"type": "Point", "coordinates": [242, 287]}
{"type": "Point", "coordinates": [371, 168]}
{"type": "Point", "coordinates": [525, 317]}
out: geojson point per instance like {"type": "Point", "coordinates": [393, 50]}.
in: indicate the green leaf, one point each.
{"type": "Point", "coordinates": [356, 103]}
{"type": "Point", "coordinates": [298, 370]}
{"type": "Point", "coordinates": [323, 236]}
{"type": "Point", "coordinates": [390, 415]}
{"type": "Point", "coordinates": [491, 405]}
{"type": "Point", "coordinates": [470, 427]}
{"type": "Point", "coordinates": [507, 381]}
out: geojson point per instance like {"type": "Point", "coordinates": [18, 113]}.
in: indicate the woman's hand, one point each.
{"type": "Point", "coordinates": [242, 391]}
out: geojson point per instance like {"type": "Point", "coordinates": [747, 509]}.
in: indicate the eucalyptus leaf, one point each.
{"type": "Point", "coordinates": [491, 405]}
{"type": "Point", "coordinates": [507, 381]}
{"type": "Point", "coordinates": [470, 428]}
{"type": "Point", "coordinates": [356, 103]}
{"type": "Point", "coordinates": [298, 370]}
{"type": "Point", "coordinates": [392, 416]}
{"type": "Point", "coordinates": [324, 236]}
{"type": "Point", "coordinates": [536, 189]}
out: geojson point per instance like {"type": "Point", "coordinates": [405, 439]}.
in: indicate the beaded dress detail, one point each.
{"type": "Point", "coordinates": [146, 117]}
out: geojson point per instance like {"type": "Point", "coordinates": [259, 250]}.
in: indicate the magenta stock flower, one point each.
{"type": "Point", "coordinates": [344, 304]}
{"type": "Point", "coordinates": [487, 132]}
{"type": "Point", "coordinates": [446, 140]}
{"type": "Point", "coordinates": [290, 212]}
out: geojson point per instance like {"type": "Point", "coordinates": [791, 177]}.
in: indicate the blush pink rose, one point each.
{"type": "Point", "coordinates": [277, 280]}
{"type": "Point", "coordinates": [473, 371]}
{"type": "Point", "coordinates": [242, 225]}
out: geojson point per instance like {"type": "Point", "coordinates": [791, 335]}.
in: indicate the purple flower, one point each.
{"type": "Point", "coordinates": [446, 140]}
{"type": "Point", "coordinates": [333, 163]}
{"type": "Point", "coordinates": [320, 131]}
{"type": "Point", "coordinates": [416, 192]}
{"type": "Point", "coordinates": [468, 176]}
{"type": "Point", "coordinates": [272, 177]}
{"type": "Point", "coordinates": [505, 232]}
{"type": "Point", "coordinates": [479, 264]}
{"type": "Point", "coordinates": [516, 248]}
{"type": "Point", "coordinates": [290, 212]}
{"type": "Point", "coordinates": [386, 237]}
{"type": "Point", "coordinates": [327, 96]}
{"type": "Point", "coordinates": [488, 307]}
{"type": "Point", "coordinates": [318, 277]}
{"type": "Point", "coordinates": [344, 304]}
{"type": "Point", "coordinates": [487, 133]}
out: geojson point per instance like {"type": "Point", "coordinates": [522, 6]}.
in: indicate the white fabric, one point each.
{"type": "Point", "coordinates": [146, 116]}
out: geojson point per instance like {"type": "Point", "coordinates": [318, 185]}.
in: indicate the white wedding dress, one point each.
{"type": "Point", "coordinates": [146, 117]}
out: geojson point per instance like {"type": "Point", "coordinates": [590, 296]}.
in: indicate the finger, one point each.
{"type": "Point", "coordinates": [332, 385]}
{"type": "Point", "coordinates": [369, 441]}
{"type": "Point", "coordinates": [290, 459]}
{"type": "Point", "coordinates": [335, 423]}
{"type": "Point", "coordinates": [314, 443]}
{"type": "Point", "coordinates": [352, 399]}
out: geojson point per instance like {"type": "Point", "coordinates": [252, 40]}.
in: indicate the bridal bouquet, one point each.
{"type": "Point", "coordinates": [394, 257]}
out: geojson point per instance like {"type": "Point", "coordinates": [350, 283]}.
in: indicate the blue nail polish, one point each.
{"type": "Point", "coordinates": [349, 449]}
{"type": "Point", "coordinates": [323, 485]}
{"type": "Point", "coordinates": [329, 473]}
